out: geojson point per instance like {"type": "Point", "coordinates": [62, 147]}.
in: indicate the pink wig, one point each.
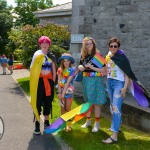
{"type": "Point", "coordinates": [45, 39]}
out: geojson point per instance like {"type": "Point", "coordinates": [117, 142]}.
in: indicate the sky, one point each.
{"type": "Point", "coordinates": [11, 2]}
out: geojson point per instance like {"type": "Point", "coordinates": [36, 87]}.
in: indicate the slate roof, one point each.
{"type": "Point", "coordinates": [64, 9]}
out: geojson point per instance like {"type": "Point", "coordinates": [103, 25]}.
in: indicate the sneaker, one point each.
{"type": "Point", "coordinates": [37, 128]}
{"type": "Point", "coordinates": [96, 127]}
{"type": "Point", "coordinates": [87, 124]}
{"type": "Point", "coordinates": [69, 125]}
{"type": "Point", "coordinates": [46, 124]}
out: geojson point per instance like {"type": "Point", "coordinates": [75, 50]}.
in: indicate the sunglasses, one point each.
{"type": "Point", "coordinates": [113, 46]}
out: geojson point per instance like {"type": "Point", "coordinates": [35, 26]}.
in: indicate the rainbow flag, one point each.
{"type": "Point", "coordinates": [98, 60]}
{"type": "Point", "coordinates": [78, 113]}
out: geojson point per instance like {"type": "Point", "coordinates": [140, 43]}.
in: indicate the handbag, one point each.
{"type": "Point", "coordinates": [79, 76]}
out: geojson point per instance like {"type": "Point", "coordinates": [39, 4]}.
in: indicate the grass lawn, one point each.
{"type": "Point", "coordinates": [84, 139]}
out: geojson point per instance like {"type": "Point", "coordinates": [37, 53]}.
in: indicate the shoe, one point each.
{"type": "Point", "coordinates": [37, 128]}
{"type": "Point", "coordinates": [87, 124]}
{"type": "Point", "coordinates": [69, 126]}
{"type": "Point", "coordinates": [96, 127]}
{"type": "Point", "coordinates": [46, 124]}
{"type": "Point", "coordinates": [110, 140]}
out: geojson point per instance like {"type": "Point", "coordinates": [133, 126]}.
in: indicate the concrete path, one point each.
{"type": "Point", "coordinates": [17, 115]}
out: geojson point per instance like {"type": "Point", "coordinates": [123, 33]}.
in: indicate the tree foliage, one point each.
{"type": "Point", "coordinates": [26, 38]}
{"type": "Point", "coordinates": [25, 9]}
{"type": "Point", "coordinates": [3, 5]}
{"type": "Point", "coordinates": [6, 23]}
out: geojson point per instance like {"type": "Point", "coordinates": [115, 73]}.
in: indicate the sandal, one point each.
{"type": "Point", "coordinates": [110, 140]}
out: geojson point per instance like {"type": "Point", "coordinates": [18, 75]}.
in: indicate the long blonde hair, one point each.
{"type": "Point", "coordinates": [84, 52]}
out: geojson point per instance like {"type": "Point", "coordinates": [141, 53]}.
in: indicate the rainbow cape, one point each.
{"type": "Point", "coordinates": [78, 113]}
{"type": "Point", "coordinates": [34, 78]}
{"type": "Point", "coordinates": [98, 60]}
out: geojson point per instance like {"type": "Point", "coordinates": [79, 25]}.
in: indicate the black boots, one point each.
{"type": "Point", "coordinates": [46, 124]}
{"type": "Point", "coordinates": [37, 128]}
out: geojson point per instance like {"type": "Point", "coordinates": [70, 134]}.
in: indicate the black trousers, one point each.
{"type": "Point", "coordinates": [42, 99]}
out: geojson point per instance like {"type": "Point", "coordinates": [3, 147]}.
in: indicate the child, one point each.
{"type": "Point", "coordinates": [66, 74]}
{"type": "Point", "coordinates": [10, 62]}
{"type": "Point", "coordinates": [4, 63]}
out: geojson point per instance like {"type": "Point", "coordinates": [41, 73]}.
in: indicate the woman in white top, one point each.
{"type": "Point", "coordinates": [117, 82]}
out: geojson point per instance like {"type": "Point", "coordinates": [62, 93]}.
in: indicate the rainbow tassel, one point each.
{"type": "Point", "coordinates": [98, 60]}
{"type": "Point", "coordinates": [78, 113]}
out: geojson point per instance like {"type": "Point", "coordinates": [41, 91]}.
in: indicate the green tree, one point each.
{"type": "Point", "coordinates": [25, 8]}
{"type": "Point", "coordinates": [6, 23]}
{"type": "Point", "coordinates": [26, 39]}
{"type": "Point", "coordinates": [3, 5]}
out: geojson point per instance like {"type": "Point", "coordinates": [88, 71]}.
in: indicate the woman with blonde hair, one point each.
{"type": "Point", "coordinates": [93, 89]}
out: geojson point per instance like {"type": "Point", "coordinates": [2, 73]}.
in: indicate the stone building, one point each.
{"type": "Point", "coordinates": [130, 21]}
{"type": "Point", "coordinates": [60, 14]}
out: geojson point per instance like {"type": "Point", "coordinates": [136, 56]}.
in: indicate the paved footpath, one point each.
{"type": "Point", "coordinates": [17, 115]}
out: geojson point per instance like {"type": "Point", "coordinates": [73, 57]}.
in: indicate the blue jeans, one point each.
{"type": "Point", "coordinates": [116, 100]}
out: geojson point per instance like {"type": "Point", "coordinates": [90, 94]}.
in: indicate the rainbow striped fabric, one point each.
{"type": "Point", "coordinates": [78, 113]}
{"type": "Point", "coordinates": [92, 74]}
{"type": "Point", "coordinates": [98, 60]}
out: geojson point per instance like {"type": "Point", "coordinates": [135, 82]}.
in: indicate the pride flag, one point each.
{"type": "Point", "coordinates": [98, 60]}
{"type": "Point", "coordinates": [78, 113]}
{"type": "Point", "coordinates": [139, 93]}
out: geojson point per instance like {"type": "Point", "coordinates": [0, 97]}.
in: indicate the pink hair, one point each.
{"type": "Point", "coordinates": [43, 39]}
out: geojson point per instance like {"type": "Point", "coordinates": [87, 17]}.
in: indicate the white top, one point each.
{"type": "Point", "coordinates": [114, 72]}
{"type": "Point", "coordinates": [38, 52]}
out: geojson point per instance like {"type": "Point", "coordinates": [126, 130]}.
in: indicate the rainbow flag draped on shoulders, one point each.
{"type": "Point", "coordinates": [98, 60]}
{"type": "Point", "coordinates": [78, 113]}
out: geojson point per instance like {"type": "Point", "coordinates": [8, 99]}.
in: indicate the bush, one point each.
{"type": "Point", "coordinates": [57, 50]}
{"type": "Point", "coordinates": [18, 55]}
{"type": "Point", "coordinates": [26, 40]}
